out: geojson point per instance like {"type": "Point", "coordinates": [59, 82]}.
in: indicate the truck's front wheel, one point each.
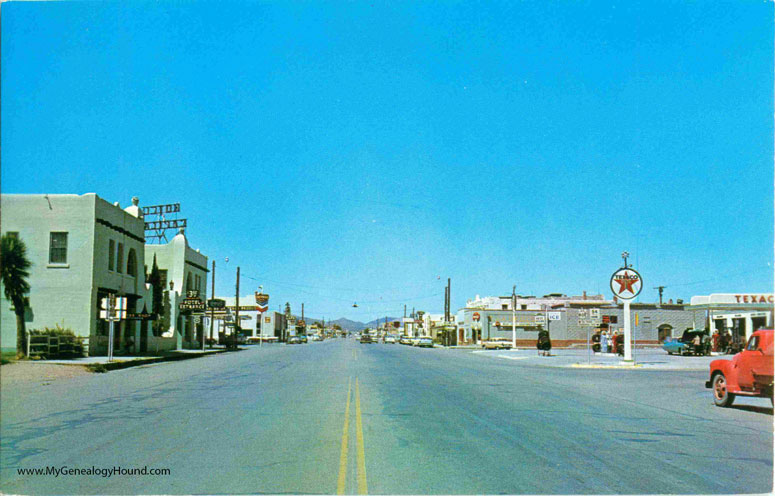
{"type": "Point", "coordinates": [721, 395]}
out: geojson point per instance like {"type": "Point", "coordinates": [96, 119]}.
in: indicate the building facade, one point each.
{"type": "Point", "coordinates": [183, 269]}
{"type": "Point", "coordinates": [82, 249]}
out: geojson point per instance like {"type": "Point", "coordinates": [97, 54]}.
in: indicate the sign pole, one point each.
{"type": "Point", "coordinates": [589, 348]}
{"type": "Point", "coordinates": [627, 332]}
{"type": "Point", "coordinates": [110, 328]}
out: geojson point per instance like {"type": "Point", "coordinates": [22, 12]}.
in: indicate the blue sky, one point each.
{"type": "Point", "coordinates": [366, 151]}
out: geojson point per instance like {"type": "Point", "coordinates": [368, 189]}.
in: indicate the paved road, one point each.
{"type": "Point", "coordinates": [339, 416]}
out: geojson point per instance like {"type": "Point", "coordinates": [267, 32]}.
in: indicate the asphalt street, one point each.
{"type": "Point", "coordinates": [343, 417]}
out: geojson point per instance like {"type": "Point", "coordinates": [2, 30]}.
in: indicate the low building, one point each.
{"type": "Point", "coordinates": [183, 270]}
{"type": "Point", "coordinates": [738, 313]}
{"type": "Point", "coordinates": [567, 319]}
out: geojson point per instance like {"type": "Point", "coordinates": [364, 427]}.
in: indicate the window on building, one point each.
{"type": "Point", "coordinates": [111, 255]}
{"type": "Point", "coordinates": [504, 307]}
{"type": "Point", "coordinates": [188, 282]}
{"type": "Point", "coordinates": [57, 248]}
{"type": "Point", "coordinates": [120, 258]}
{"type": "Point", "coordinates": [131, 263]}
{"type": "Point", "coordinates": [524, 307]}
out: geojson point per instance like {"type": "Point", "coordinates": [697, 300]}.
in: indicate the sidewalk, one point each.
{"type": "Point", "coordinates": [643, 359]}
{"type": "Point", "coordinates": [101, 363]}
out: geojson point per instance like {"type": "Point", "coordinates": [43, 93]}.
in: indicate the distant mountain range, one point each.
{"type": "Point", "coordinates": [352, 325]}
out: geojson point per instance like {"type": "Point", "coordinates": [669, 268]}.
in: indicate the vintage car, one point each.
{"type": "Point", "coordinates": [366, 338]}
{"type": "Point", "coordinates": [692, 342]}
{"type": "Point", "coordinates": [405, 340]}
{"type": "Point", "coordinates": [424, 342]}
{"type": "Point", "coordinates": [294, 340]}
{"type": "Point", "coordinates": [749, 373]}
{"type": "Point", "coordinates": [496, 344]}
{"type": "Point", "coordinates": [390, 339]}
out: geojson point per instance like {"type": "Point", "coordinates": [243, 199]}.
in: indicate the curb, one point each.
{"type": "Point", "coordinates": [107, 367]}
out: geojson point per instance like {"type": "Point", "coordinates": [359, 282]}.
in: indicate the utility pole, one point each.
{"type": "Point", "coordinates": [236, 314]}
{"type": "Point", "coordinates": [302, 318]}
{"type": "Point", "coordinates": [212, 309]}
{"type": "Point", "coordinates": [660, 289]}
{"type": "Point", "coordinates": [514, 317]}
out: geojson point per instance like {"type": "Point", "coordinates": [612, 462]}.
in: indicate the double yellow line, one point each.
{"type": "Point", "coordinates": [360, 452]}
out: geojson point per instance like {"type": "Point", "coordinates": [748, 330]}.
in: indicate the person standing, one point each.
{"type": "Point", "coordinates": [604, 342]}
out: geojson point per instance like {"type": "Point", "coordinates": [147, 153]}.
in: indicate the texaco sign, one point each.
{"type": "Point", "coordinates": [626, 283]}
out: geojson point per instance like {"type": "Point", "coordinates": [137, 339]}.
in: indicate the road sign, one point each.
{"type": "Point", "coordinates": [216, 303]}
{"type": "Point", "coordinates": [540, 319]}
{"type": "Point", "coordinates": [626, 283]}
{"type": "Point", "coordinates": [476, 316]}
{"type": "Point", "coordinates": [117, 305]}
{"type": "Point", "coordinates": [594, 313]}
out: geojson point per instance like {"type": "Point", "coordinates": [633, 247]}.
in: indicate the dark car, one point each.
{"type": "Point", "coordinates": [366, 338]}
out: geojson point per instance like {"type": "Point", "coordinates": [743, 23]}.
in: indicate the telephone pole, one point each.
{"type": "Point", "coordinates": [212, 309]}
{"type": "Point", "coordinates": [660, 289]}
{"type": "Point", "coordinates": [236, 314]}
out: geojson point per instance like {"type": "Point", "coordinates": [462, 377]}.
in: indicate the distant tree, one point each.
{"type": "Point", "coordinates": [337, 327]}
{"type": "Point", "coordinates": [165, 317]}
{"type": "Point", "coordinates": [14, 271]}
{"type": "Point", "coordinates": [157, 304]}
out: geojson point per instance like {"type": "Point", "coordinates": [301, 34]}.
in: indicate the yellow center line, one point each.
{"type": "Point", "coordinates": [345, 442]}
{"type": "Point", "coordinates": [362, 486]}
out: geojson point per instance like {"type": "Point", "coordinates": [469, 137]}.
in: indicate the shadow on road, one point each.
{"type": "Point", "coordinates": [753, 408]}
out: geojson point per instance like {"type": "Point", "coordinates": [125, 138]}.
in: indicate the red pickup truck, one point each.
{"type": "Point", "coordinates": [749, 373]}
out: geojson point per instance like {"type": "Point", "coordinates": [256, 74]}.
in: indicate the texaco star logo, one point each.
{"type": "Point", "coordinates": [626, 283]}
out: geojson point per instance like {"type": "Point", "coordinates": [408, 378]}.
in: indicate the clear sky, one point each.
{"type": "Point", "coordinates": [366, 151]}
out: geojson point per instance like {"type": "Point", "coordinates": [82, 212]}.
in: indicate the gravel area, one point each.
{"type": "Point", "coordinates": [25, 372]}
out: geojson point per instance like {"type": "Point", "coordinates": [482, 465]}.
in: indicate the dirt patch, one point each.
{"type": "Point", "coordinates": [24, 372]}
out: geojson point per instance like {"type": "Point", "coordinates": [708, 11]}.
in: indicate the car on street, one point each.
{"type": "Point", "coordinates": [496, 344]}
{"type": "Point", "coordinates": [294, 340]}
{"type": "Point", "coordinates": [405, 340]}
{"type": "Point", "coordinates": [390, 339]}
{"type": "Point", "coordinates": [424, 342]}
{"type": "Point", "coordinates": [366, 338]}
{"type": "Point", "coordinates": [748, 373]}
{"type": "Point", "coordinates": [303, 338]}
{"type": "Point", "coordinates": [691, 342]}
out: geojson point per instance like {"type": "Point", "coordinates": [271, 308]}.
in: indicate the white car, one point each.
{"type": "Point", "coordinates": [390, 339]}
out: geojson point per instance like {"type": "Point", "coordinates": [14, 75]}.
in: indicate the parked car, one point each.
{"type": "Point", "coordinates": [424, 342]}
{"type": "Point", "coordinates": [366, 338]}
{"type": "Point", "coordinates": [496, 344]}
{"type": "Point", "coordinates": [294, 340]}
{"type": "Point", "coordinates": [748, 373]}
{"type": "Point", "coordinates": [692, 342]}
{"type": "Point", "coordinates": [303, 338]}
{"type": "Point", "coordinates": [405, 340]}
{"type": "Point", "coordinates": [390, 339]}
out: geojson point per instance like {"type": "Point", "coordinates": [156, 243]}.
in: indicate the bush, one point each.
{"type": "Point", "coordinates": [69, 344]}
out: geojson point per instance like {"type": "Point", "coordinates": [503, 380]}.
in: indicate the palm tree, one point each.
{"type": "Point", "coordinates": [14, 271]}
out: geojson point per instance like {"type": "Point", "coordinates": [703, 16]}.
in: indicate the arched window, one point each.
{"type": "Point", "coordinates": [131, 263]}
{"type": "Point", "coordinates": [188, 283]}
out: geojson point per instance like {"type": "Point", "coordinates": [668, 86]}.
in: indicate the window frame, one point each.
{"type": "Point", "coordinates": [59, 249]}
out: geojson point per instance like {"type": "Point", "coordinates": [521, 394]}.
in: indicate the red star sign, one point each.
{"type": "Point", "coordinates": [625, 282]}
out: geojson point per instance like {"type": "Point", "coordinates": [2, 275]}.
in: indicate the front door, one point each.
{"type": "Point", "coordinates": [752, 359]}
